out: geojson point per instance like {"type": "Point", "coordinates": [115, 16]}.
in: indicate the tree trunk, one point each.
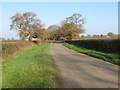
{"type": "Point", "coordinates": [30, 38]}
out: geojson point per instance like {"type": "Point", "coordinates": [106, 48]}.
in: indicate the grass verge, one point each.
{"type": "Point", "coordinates": [31, 69]}
{"type": "Point", "coordinates": [109, 57]}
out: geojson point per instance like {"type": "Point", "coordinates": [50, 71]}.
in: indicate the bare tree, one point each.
{"type": "Point", "coordinates": [76, 19]}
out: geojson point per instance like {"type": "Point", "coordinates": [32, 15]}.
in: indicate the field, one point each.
{"type": "Point", "coordinates": [31, 69]}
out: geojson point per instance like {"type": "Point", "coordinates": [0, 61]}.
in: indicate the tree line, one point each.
{"type": "Point", "coordinates": [29, 26]}
{"type": "Point", "coordinates": [108, 35]}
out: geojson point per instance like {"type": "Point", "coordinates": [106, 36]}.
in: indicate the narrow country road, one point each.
{"type": "Point", "coordinates": [77, 70]}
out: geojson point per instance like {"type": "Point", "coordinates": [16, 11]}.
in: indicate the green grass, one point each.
{"type": "Point", "coordinates": [109, 57]}
{"type": "Point", "coordinates": [31, 69]}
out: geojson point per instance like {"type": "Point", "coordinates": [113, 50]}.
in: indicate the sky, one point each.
{"type": "Point", "coordinates": [101, 17]}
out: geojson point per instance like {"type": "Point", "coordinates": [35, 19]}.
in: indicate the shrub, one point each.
{"type": "Point", "coordinates": [13, 48]}
{"type": "Point", "coordinates": [105, 45]}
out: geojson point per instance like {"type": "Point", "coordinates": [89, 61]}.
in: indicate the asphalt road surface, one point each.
{"type": "Point", "coordinates": [77, 70]}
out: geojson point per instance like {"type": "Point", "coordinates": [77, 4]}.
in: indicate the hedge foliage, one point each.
{"type": "Point", "coordinates": [105, 45]}
{"type": "Point", "coordinates": [13, 48]}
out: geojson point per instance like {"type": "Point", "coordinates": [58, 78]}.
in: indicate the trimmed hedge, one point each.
{"type": "Point", "coordinates": [13, 48]}
{"type": "Point", "coordinates": [105, 45]}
